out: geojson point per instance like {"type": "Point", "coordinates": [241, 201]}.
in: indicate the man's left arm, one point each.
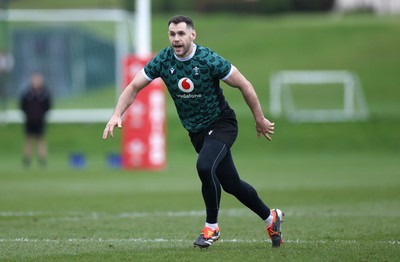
{"type": "Point", "coordinates": [237, 80]}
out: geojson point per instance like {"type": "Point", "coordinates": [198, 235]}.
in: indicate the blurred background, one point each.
{"type": "Point", "coordinates": [327, 72]}
{"type": "Point", "coordinates": [80, 56]}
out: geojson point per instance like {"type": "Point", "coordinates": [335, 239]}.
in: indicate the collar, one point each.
{"type": "Point", "coordinates": [189, 56]}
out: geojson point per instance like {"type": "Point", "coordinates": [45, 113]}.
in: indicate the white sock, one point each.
{"type": "Point", "coordinates": [268, 221]}
{"type": "Point", "coordinates": [212, 226]}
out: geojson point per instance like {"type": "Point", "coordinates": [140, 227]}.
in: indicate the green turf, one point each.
{"type": "Point", "coordinates": [337, 182]}
{"type": "Point", "coordinates": [332, 202]}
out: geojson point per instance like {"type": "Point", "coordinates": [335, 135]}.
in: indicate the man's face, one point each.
{"type": "Point", "coordinates": [181, 38]}
{"type": "Point", "coordinates": [37, 81]}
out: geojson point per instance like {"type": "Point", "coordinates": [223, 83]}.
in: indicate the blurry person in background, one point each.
{"type": "Point", "coordinates": [35, 103]}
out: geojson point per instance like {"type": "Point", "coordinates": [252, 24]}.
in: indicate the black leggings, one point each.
{"type": "Point", "coordinates": [216, 168]}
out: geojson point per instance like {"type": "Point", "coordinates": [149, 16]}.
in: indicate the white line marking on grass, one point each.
{"type": "Point", "coordinates": [233, 212]}
{"type": "Point", "coordinates": [100, 240]}
{"type": "Point", "coordinates": [158, 240]}
{"type": "Point", "coordinates": [95, 215]}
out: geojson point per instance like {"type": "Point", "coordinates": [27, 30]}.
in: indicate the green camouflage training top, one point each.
{"type": "Point", "coordinates": [193, 83]}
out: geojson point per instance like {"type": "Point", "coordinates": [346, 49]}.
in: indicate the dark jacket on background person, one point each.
{"type": "Point", "coordinates": [35, 104]}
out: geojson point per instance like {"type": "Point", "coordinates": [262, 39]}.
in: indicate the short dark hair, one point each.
{"type": "Point", "coordinates": [181, 18]}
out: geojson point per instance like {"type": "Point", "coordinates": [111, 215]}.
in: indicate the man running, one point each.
{"type": "Point", "coordinates": [192, 74]}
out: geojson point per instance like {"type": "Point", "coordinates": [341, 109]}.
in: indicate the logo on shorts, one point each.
{"type": "Point", "coordinates": [186, 85]}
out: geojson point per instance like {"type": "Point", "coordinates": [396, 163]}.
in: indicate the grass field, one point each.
{"type": "Point", "coordinates": [338, 183]}
{"type": "Point", "coordinates": [346, 204]}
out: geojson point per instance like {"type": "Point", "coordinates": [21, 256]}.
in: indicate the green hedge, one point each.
{"type": "Point", "coordinates": [242, 6]}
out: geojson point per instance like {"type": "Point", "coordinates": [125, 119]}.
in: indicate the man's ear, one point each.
{"type": "Point", "coordinates": [193, 34]}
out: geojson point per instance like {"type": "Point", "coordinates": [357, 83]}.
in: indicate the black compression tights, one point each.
{"type": "Point", "coordinates": [216, 168]}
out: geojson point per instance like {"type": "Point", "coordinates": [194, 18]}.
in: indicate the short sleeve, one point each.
{"type": "Point", "coordinates": [221, 67]}
{"type": "Point", "coordinates": [152, 68]}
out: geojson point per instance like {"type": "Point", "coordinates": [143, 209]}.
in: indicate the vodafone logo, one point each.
{"type": "Point", "coordinates": [186, 85]}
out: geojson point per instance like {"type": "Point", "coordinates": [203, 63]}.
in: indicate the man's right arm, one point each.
{"type": "Point", "coordinates": [125, 100]}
